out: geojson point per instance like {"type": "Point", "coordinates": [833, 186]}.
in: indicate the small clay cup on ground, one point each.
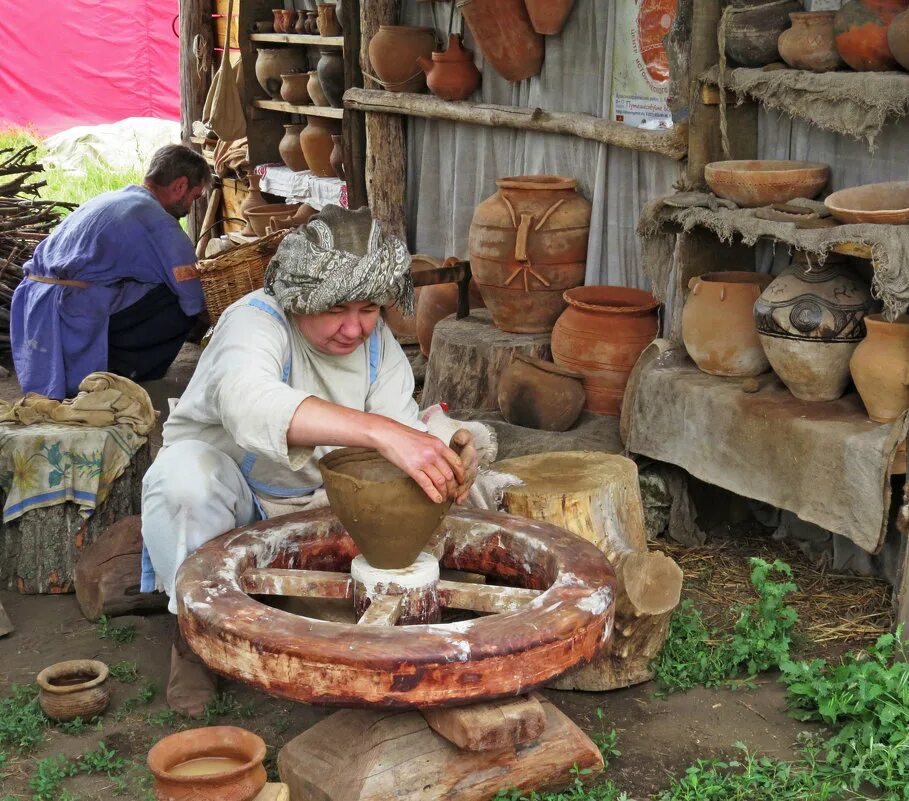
{"type": "Point", "coordinates": [538, 394]}
{"type": "Point", "coordinates": [74, 689]}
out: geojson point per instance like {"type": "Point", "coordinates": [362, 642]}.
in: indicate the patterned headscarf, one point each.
{"type": "Point", "coordinates": [340, 257]}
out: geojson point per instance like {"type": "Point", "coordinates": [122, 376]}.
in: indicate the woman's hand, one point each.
{"type": "Point", "coordinates": [438, 470]}
{"type": "Point", "coordinates": [462, 442]}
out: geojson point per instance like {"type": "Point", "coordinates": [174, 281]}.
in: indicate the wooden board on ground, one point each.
{"type": "Point", "coordinates": [492, 726]}
{"type": "Point", "coordinates": [382, 755]}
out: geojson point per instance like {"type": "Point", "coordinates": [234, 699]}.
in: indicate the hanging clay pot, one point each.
{"type": "Point", "coordinates": [502, 31]}
{"type": "Point", "coordinates": [273, 62]}
{"type": "Point", "coordinates": [898, 39]}
{"type": "Point", "coordinates": [289, 148]}
{"type": "Point", "coordinates": [326, 20]}
{"type": "Point", "coordinates": [393, 53]}
{"type": "Point", "coordinates": [337, 156]}
{"type": "Point", "coordinates": [293, 88]}
{"type": "Point", "coordinates": [314, 89]}
{"type": "Point", "coordinates": [77, 688]}
{"type": "Point", "coordinates": [317, 145]}
{"type": "Point", "coordinates": [860, 30]}
{"type": "Point", "coordinates": [451, 75]}
{"type": "Point", "coordinates": [810, 322]}
{"type": "Point", "coordinates": [600, 335]}
{"type": "Point", "coordinates": [538, 394]}
{"type": "Point", "coordinates": [528, 244]}
{"type": "Point", "coordinates": [438, 301]}
{"type": "Point", "coordinates": [548, 16]}
{"type": "Point", "coordinates": [808, 44]}
{"type": "Point", "coordinates": [331, 75]}
{"type": "Point", "coordinates": [752, 31]}
{"type": "Point", "coordinates": [718, 323]}
{"type": "Point", "coordinates": [253, 200]}
{"type": "Point", "coordinates": [880, 367]}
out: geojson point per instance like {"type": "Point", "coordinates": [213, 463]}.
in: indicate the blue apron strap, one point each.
{"type": "Point", "coordinates": [374, 355]}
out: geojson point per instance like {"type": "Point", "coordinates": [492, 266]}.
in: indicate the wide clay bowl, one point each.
{"type": "Point", "coordinates": [77, 688]}
{"type": "Point", "coordinates": [886, 203]}
{"type": "Point", "coordinates": [215, 763]}
{"type": "Point", "coordinates": [754, 183]}
{"type": "Point", "coordinates": [383, 509]}
{"type": "Point", "coordinates": [274, 215]}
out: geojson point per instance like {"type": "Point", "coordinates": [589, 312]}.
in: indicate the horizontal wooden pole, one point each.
{"type": "Point", "coordinates": [672, 142]}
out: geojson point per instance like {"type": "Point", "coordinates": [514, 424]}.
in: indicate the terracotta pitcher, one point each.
{"type": "Point", "coordinates": [860, 28]}
{"type": "Point", "coordinates": [393, 53]}
{"type": "Point", "coordinates": [290, 150]}
{"type": "Point", "coordinates": [600, 335]}
{"type": "Point", "coordinates": [548, 16]}
{"type": "Point", "coordinates": [253, 200]}
{"type": "Point", "coordinates": [502, 30]}
{"type": "Point", "coordinates": [451, 75]}
{"type": "Point", "coordinates": [528, 244]}
{"type": "Point", "coordinates": [316, 143]}
{"type": "Point", "coordinates": [809, 44]}
{"type": "Point", "coordinates": [880, 367]}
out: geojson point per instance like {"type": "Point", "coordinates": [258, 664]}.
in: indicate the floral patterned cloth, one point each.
{"type": "Point", "coordinates": [48, 463]}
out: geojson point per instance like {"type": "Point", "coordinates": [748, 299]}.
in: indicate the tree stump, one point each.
{"type": "Point", "coordinates": [596, 496]}
{"type": "Point", "coordinates": [468, 357]}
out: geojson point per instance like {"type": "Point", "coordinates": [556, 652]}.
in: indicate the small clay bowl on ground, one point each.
{"type": "Point", "coordinates": [215, 763]}
{"type": "Point", "coordinates": [754, 183]}
{"type": "Point", "coordinates": [537, 394]}
{"type": "Point", "coordinates": [886, 203]}
{"type": "Point", "coordinates": [74, 689]}
{"type": "Point", "coordinates": [384, 510]}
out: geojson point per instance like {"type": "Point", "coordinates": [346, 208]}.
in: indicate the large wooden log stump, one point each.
{"type": "Point", "coordinates": [468, 357]}
{"type": "Point", "coordinates": [596, 496]}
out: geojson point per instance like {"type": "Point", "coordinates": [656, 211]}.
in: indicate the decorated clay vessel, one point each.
{"type": "Point", "coordinates": [273, 62]}
{"type": "Point", "coordinates": [548, 16]}
{"type": "Point", "coordinates": [718, 323]}
{"type": "Point", "coordinates": [331, 75]}
{"type": "Point", "coordinates": [752, 31]}
{"type": "Point", "coordinates": [290, 150]}
{"type": "Point", "coordinates": [293, 88]}
{"type": "Point", "coordinates": [393, 53]}
{"type": "Point", "coordinates": [880, 367]}
{"type": "Point", "coordinates": [860, 30]}
{"type": "Point", "coordinates": [503, 32]}
{"type": "Point", "coordinates": [316, 143]}
{"type": "Point", "coordinates": [600, 335]}
{"type": "Point", "coordinates": [810, 322]}
{"type": "Point", "coordinates": [314, 89]}
{"type": "Point", "coordinates": [451, 75]}
{"type": "Point", "coordinates": [808, 44]}
{"type": "Point", "coordinates": [898, 39]}
{"type": "Point", "coordinates": [538, 394]}
{"type": "Point", "coordinates": [253, 200]}
{"type": "Point", "coordinates": [528, 244]}
{"type": "Point", "coordinates": [74, 689]}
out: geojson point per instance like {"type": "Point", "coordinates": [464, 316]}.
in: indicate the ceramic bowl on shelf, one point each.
{"type": "Point", "coordinates": [886, 203]}
{"type": "Point", "coordinates": [760, 182]}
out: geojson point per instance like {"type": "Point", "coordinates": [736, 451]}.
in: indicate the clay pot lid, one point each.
{"type": "Point", "coordinates": [208, 741]}
{"type": "Point", "coordinates": [537, 182]}
{"type": "Point", "coordinates": [71, 667]}
{"type": "Point", "coordinates": [548, 367]}
{"type": "Point", "coordinates": [886, 203]}
{"type": "Point", "coordinates": [612, 299]}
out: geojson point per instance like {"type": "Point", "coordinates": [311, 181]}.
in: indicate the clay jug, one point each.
{"type": "Point", "coordinates": [718, 323]}
{"type": "Point", "coordinates": [293, 88]}
{"type": "Point", "coordinates": [438, 301]}
{"type": "Point", "coordinates": [337, 155]}
{"type": "Point", "coordinates": [278, 14]}
{"type": "Point", "coordinates": [548, 16]}
{"type": "Point", "coordinates": [326, 21]}
{"type": "Point", "coordinates": [860, 30]}
{"type": "Point", "coordinates": [273, 62]}
{"type": "Point", "coordinates": [502, 31]}
{"type": "Point", "coordinates": [898, 39]}
{"type": "Point", "coordinates": [752, 31]}
{"type": "Point", "coordinates": [808, 44]}
{"type": "Point", "coordinates": [880, 367]}
{"type": "Point", "coordinates": [393, 53]}
{"type": "Point", "coordinates": [537, 394]}
{"type": "Point", "coordinates": [314, 90]}
{"type": "Point", "coordinates": [253, 200]}
{"type": "Point", "coordinates": [331, 75]}
{"type": "Point", "coordinates": [300, 24]}
{"type": "Point", "coordinates": [600, 335]}
{"type": "Point", "coordinates": [451, 75]}
{"type": "Point", "coordinates": [290, 150]}
{"type": "Point", "coordinates": [528, 244]}
{"type": "Point", "coordinates": [311, 26]}
{"type": "Point", "coordinates": [810, 321]}
{"type": "Point", "coordinates": [317, 145]}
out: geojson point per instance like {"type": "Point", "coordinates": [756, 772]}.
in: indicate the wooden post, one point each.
{"type": "Point", "coordinates": [354, 121]}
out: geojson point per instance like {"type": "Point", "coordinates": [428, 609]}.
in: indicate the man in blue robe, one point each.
{"type": "Point", "coordinates": [113, 287]}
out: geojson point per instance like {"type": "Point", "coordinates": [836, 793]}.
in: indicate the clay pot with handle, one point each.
{"type": "Point", "coordinates": [504, 34]}
{"type": "Point", "coordinates": [860, 30]}
{"type": "Point", "coordinates": [451, 75]}
{"type": "Point", "coordinates": [393, 53]}
{"type": "Point", "coordinates": [548, 16]}
{"type": "Point", "coordinates": [880, 367]}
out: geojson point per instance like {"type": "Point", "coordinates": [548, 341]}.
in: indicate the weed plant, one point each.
{"type": "Point", "coordinates": [22, 723]}
{"type": "Point", "coordinates": [124, 672]}
{"type": "Point", "coordinates": [121, 635]}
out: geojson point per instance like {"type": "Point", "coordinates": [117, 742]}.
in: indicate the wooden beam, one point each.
{"type": "Point", "coordinates": [354, 122]}
{"type": "Point", "coordinates": [383, 611]}
{"type": "Point", "coordinates": [490, 598]}
{"type": "Point", "coordinates": [671, 143]}
{"type": "Point", "coordinates": [302, 583]}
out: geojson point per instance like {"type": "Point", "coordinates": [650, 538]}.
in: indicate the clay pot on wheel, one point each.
{"type": "Point", "coordinates": [74, 689]}
{"type": "Point", "coordinates": [600, 335]}
{"type": "Point", "coordinates": [293, 88]}
{"type": "Point", "coordinates": [860, 30]}
{"type": "Point", "coordinates": [393, 53]}
{"type": "Point", "coordinates": [314, 89]}
{"type": "Point", "coordinates": [752, 31]}
{"type": "Point", "coordinates": [880, 367]}
{"type": "Point", "coordinates": [810, 322]}
{"type": "Point", "coordinates": [290, 150]}
{"type": "Point", "coordinates": [273, 62]}
{"type": "Point", "coordinates": [718, 323]}
{"type": "Point", "coordinates": [327, 22]}
{"type": "Point", "coordinates": [316, 143]}
{"type": "Point", "coordinates": [331, 75]}
{"type": "Point", "coordinates": [253, 200]}
{"type": "Point", "coordinates": [538, 394]}
{"type": "Point", "coordinates": [898, 39]}
{"type": "Point", "coordinates": [451, 75]}
{"type": "Point", "coordinates": [504, 34]}
{"type": "Point", "coordinates": [548, 16]}
{"type": "Point", "coordinates": [337, 156]}
{"type": "Point", "coordinates": [808, 44]}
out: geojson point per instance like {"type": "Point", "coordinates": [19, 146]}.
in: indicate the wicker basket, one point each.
{"type": "Point", "coordinates": [234, 273]}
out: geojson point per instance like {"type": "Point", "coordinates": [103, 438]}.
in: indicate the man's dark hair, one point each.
{"type": "Point", "coordinates": [177, 161]}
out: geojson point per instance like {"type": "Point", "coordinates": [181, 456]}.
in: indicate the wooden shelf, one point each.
{"type": "Point", "coordinates": [298, 39]}
{"type": "Point", "coordinates": [313, 111]}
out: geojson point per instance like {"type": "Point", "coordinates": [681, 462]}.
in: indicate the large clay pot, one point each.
{"type": "Point", "coordinates": [331, 75]}
{"type": "Point", "coordinates": [272, 62]}
{"type": "Point", "coordinates": [548, 16]}
{"type": "Point", "coordinates": [718, 323]}
{"type": "Point", "coordinates": [337, 156]}
{"type": "Point", "coordinates": [810, 323]}
{"type": "Point", "coordinates": [528, 244]}
{"type": "Point", "coordinates": [860, 30]}
{"type": "Point", "coordinates": [880, 367]}
{"type": "Point", "coordinates": [808, 44]}
{"type": "Point", "coordinates": [752, 31]}
{"type": "Point", "coordinates": [317, 145]}
{"type": "Point", "coordinates": [898, 39]}
{"type": "Point", "coordinates": [600, 335]}
{"type": "Point", "coordinates": [451, 75]}
{"type": "Point", "coordinates": [326, 20]}
{"type": "Point", "coordinates": [293, 88]}
{"type": "Point", "coordinates": [438, 301]}
{"type": "Point", "coordinates": [502, 30]}
{"type": "Point", "coordinates": [253, 200]}
{"type": "Point", "coordinates": [314, 89]}
{"type": "Point", "coordinates": [537, 394]}
{"type": "Point", "coordinates": [393, 53]}
{"type": "Point", "coordinates": [289, 148]}
{"type": "Point", "coordinates": [74, 689]}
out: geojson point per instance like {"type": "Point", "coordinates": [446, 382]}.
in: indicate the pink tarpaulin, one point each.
{"type": "Point", "coordinates": [85, 62]}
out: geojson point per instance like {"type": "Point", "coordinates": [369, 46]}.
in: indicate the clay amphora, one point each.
{"type": "Point", "coordinates": [810, 322]}
{"type": "Point", "coordinates": [326, 20]}
{"type": "Point", "coordinates": [502, 31]}
{"type": "Point", "coordinates": [74, 689]}
{"type": "Point", "coordinates": [860, 30]}
{"type": "Point", "coordinates": [808, 44]}
{"type": "Point", "coordinates": [548, 16]}
{"type": "Point", "coordinates": [273, 62]}
{"type": "Point", "coordinates": [393, 53]}
{"type": "Point", "coordinates": [331, 75]}
{"type": "Point", "coordinates": [600, 335]}
{"type": "Point", "coordinates": [293, 88]}
{"type": "Point", "coordinates": [537, 394]}
{"type": "Point", "coordinates": [718, 323]}
{"type": "Point", "coordinates": [898, 39]}
{"type": "Point", "coordinates": [880, 367]}
{"type": "Point", "coordinates": [384, 510]}
{"type": "Point", "coordinates": [253, 200]}
{"type": "Point", "coordinates": [438, 301]}
{"type": "Point", "coordinates": [317, 145]}
{"type": "Point", "coordinates": [451, 75]}
{"type": "Point", "coordinates": [181, 764]}
{"type": "Point", "coordinates": [337, 156]}
{"type": "Point", "coordinates": [528, 244]}
{"type": "Point", "coordinates": [752, 32]}
{"type": "Point", "coordinates": [314, 89]}
{"type": "Point", "coordinates": [289, 148]}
